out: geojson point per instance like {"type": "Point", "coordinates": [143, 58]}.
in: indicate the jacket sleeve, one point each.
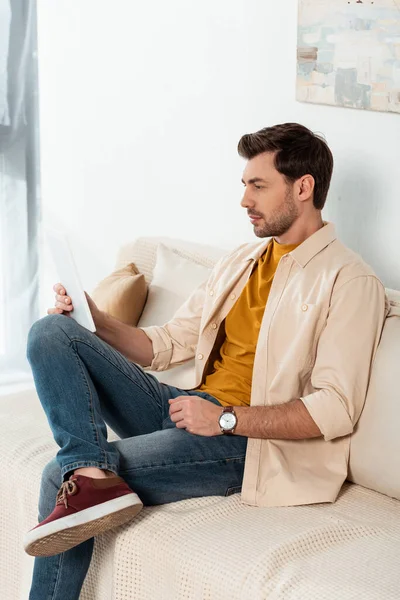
{"type": "Point", "coordinates": [345, 353]}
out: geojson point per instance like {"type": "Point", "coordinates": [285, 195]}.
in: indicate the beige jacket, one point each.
{"type": "Point", "coordinates": [317, 341]}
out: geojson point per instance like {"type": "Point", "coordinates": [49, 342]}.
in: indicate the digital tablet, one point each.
{"type": "Point", "coordinates": [68, 276]}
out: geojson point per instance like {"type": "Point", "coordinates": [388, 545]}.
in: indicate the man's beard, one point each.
{"type": "Point", "coordinates": [280, 221]}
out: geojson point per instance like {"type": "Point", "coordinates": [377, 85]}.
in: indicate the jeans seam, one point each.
{"type": "Point", "coordinates": [183, 464]}
{"type": "Point", "coordinates": [233, 487]}
{"type": "Point", "coordinates": [91, 406]}
{"type": "Point", "coordinates": [53, 594]}
{"type": "Point", "coordinates": [135, 381]}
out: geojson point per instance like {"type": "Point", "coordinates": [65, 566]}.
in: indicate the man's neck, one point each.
{"type": "Point", "coordinates": [300, 231]}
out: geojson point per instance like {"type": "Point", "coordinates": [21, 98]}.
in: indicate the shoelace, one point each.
{"type": "Point", "coordinates": [68, 488]}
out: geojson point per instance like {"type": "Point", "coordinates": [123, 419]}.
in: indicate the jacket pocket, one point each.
{"type": "Point", "coordinates": [294, 334]}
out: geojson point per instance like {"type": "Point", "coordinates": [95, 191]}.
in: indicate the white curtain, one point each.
{"type": "Point", "coordinates": [19, 185]}
{"type": "Point", "coordinates": [5, 21]}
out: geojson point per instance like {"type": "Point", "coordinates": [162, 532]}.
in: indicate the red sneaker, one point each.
{"type": "Point", "coordinates": [85, 507]}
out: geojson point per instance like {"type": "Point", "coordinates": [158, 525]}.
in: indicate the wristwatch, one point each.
{"type": "Point", "coordinates": [228, 420]}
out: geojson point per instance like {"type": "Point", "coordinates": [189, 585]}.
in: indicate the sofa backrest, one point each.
{"type": "Point", "coordinates": [375, 442]}
{"type": "Point", "coordinates": [143, 252]}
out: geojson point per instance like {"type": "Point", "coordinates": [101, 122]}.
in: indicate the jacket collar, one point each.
{"type": "Point", "coordinates": [307, 250]}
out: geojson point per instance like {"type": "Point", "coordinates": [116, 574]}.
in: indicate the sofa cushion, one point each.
{"type": "Point", "coordinates": [343, 551]}
{"type": "Point", "coordinates": [375, 443]}
{"type": "Point", "coordinates": [122, 294]}
{"type": "Point", "coordinates": [174, 279]}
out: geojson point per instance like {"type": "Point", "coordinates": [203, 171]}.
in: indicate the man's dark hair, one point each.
{"type": "Point", "coordinates": [298, 151]}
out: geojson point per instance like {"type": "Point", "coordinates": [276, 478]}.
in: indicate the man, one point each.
{"type": "Point", "coordinates": [284, 333]}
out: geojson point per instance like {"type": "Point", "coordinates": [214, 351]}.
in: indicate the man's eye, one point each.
{"type": "Point", "coordinates": [258, 187]}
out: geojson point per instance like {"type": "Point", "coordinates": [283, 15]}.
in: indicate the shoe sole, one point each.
{"type": "Point", "coordinates": [65, 533]}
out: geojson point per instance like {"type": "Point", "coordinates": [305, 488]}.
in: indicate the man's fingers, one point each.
{"type": "Point", "coordinates": [64, 306]}
{"type": "Point", "coordinates": [177, 417]}
{"type": "Point", "coordinates": [57, 287]}
{"type": "Point", "coordinates": [174, 408]}
{"type": "Point", "coordinates": [57, 311]}
{"type": "Point", "coordinates": [63, 298]}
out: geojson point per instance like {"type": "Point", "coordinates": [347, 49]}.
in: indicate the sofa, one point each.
{"type": "Point", "coordinates": [346, 550]}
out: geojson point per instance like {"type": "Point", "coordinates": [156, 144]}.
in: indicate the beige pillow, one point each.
{"type": "Point", "coordinates": [122, 294]}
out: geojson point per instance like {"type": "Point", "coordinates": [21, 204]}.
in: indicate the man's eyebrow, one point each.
{"type": "Point", "coordinates": [255, 180]}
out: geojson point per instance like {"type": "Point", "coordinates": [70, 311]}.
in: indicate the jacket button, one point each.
{"type": "Point", "coordinates": [233, 296]}
{"type": "Point", "coordinates": [211, 292]}
{"type": "Point", "coordinates": [214, 326]}
{"type": "Point", "coordinates": [304, 307]}
{"type": "Point", "coordinates": [199, 356]}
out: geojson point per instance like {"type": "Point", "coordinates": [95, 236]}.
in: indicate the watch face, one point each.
{"type": "Point", "coordinates": [227, 421]}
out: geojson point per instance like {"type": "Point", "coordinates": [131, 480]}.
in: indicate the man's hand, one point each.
{"type": "Point", "coordinates": [196, 415]}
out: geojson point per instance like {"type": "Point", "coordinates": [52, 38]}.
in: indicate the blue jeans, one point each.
{"type": "Point", "coordinates": [84, 383]}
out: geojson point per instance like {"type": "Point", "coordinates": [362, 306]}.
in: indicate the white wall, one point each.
{"type": "Point", "coordinates": [142, 106]}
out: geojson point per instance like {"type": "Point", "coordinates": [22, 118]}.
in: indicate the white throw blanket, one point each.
{"type": "Point", "coordinates": [5, 20]}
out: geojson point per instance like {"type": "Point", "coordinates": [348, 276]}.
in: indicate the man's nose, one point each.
{"type": "Point", "coordinates": [246, 200]}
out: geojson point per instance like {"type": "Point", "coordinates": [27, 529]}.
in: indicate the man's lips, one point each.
{"type": "Point", "coordinates": [254, 218]}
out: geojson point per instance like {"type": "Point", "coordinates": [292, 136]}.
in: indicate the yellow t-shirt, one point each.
{"type": "Point", "coordinates": [230, 379]}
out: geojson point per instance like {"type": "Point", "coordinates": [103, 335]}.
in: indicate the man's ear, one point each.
{"type": "Point", "coordinates": [306, 187]}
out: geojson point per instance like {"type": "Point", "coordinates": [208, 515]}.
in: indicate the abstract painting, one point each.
{"type": "Point", "coordinates": [348, 53]}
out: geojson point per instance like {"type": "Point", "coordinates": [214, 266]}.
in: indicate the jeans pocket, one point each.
{"type": "Point", "coordinates": [234, 489]}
